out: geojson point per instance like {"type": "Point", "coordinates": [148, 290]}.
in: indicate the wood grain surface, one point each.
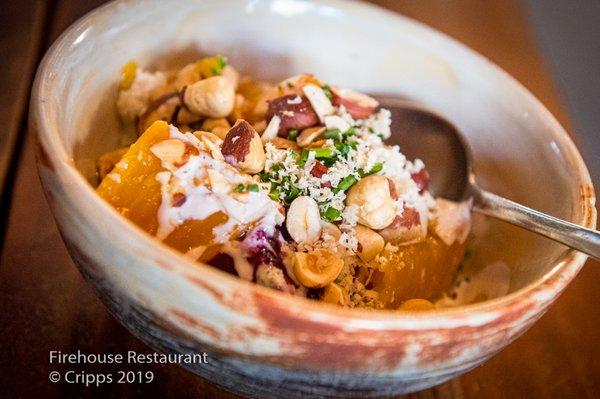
{"type": "Point", "coordinates": [45, 304]}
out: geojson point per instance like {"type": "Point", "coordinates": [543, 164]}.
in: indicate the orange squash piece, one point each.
{"type": "Point", "coordinates": [131, 187]}
{"type": "Point", "coordinates": [421, 270]}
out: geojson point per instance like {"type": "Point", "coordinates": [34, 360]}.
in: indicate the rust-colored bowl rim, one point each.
{"type": "Point", "coordinates": [53, 156]}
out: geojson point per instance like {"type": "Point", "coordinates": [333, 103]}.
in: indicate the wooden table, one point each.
{"type": "Point", "coordinates": [47, 306]}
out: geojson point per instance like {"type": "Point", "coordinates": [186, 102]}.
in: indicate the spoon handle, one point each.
{"type": "Point", "coordinates": [570, 234]}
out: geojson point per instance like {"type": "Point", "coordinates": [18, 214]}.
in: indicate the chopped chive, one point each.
{"type": "Point", "coordinates": [376, 168]}
{"type": "Point", "coordinates": [345, 184]}
{"type": "Point", "coordinates": [239, 188]}
{"type": "Point", "coordinates": [303, 157]}
{"type": "Point", "coordinates": [323, 152]}
{"type": "Point", "coordinates": [252, 187]}
{"type": "Point", "coordinates": [333, 134]}
{"type": "Point", "coordinates": [293, 134]}
{"type": "Point", "coordinates": [343, 148]}
{"type": "Point", "coordinates": [331, 214]}
{"type": "Point", "coordinates": [327, 90]}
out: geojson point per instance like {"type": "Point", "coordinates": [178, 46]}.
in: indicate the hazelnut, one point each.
{"type": "Point", "coordinates": [370, 243]}
{"type": "Point", "coordinates": [376, 207]}
{"type": "Point", "coordinates": [330, 231]}
{"type": "Point", "coordinates": [359, 105]}
{"type": "Point", "coordinates": [318, 100]}
{"type": "Point", "coordinates": [303, 220]}
{"type": "Point", "coordinates": [308, 135]}
{"type": "Point", "coordinates": [210, 123]}
{"type": "Point", "coordinates": [170, 151]}
{"type": "Point", "coordinates": [218, 183]}
{"type": "Point", "coordinates": [212, 143]}
{"type": "Point", "coordinates": [243, 148]}
{"type": "Point", "coordinates": [285, 144]}
{"type": "Point", "coordinates": [316, 269]}
{"type": "Point", "coordinates": [213, 97]}
{"type": "Point", "coordinates": [232, 74]}
{"type": "Point", "coordinates": [416, 304]}
{"type": "Point", "coordinates": [187, 75]}
{"type": "Point", "coordinates": [333, 294]}
{"type": "Point", "coordinates": [271, 130]}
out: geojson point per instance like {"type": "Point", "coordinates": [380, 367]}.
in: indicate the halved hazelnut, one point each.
{"type": "Point", "coordinates": [212, 143]}
{"type": "Point", "coordinates": [333, 294]}
{"type": "Point", "coordinates": [308, 135]}
{"type": "Point", "coordinates": [376, 207]}
{"type": "Point", "coordinates": [243, 148]}
{"type": "Point", "coordinates": [303, 220]}
{"type": "Point", "coordinates": [316, 269]}
{"type": "Point", "coordinates": [370, 243]}
{"type": "Point", "coordinates": [170, 151]}
{"type": "Point", "coordinates": [359, 105]}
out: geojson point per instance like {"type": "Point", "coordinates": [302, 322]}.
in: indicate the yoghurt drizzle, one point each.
{"type": "Point", "coordinates": [201, 201]}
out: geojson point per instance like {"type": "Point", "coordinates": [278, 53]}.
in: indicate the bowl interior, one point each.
{"type": "Point", "coordinates": [520, 152]}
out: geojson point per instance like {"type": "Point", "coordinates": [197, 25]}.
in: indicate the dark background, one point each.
{"type": "Point", "coordinates": [552, 47]}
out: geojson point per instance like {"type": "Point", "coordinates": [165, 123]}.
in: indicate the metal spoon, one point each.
{"type": "Point", "coordinates": [423, 134]}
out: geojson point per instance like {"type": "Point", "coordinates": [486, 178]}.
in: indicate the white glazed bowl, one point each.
{"type": "Point", "coordinates": [261, 342]}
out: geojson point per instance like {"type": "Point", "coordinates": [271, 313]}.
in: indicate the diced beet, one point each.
{"type": "Point", "coordinates": [421, 178]}
{"type": "Point", "coordinates": [318, 170]}
{"type": "Point", "coordinates": [410, 217]}
{"type": "Point", "coordinates": [223, 262]}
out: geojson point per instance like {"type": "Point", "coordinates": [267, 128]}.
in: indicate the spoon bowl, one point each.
{"type": "Point", "coordinates": [424, 134]}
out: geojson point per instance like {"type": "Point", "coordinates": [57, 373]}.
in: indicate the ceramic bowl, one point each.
{"type": "Point", "coordinates": [261, 342]}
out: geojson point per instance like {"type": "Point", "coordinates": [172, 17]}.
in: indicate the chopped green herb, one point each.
{"type": "Point", "coordinates": [331, 214]}
{"type": "Point", "coordinates": [240, 188]}
{"type": "Point", "coordinates": [323, 152]}
{"type": "Point", "coordinates": [376, 168]}
{"type": "Point", "coordinates": [320, 153]}
{"type": "Point", "coordinates": [292, 194]}
{"type": "Point", "coordinates": [345, 184]}
{"type": "Point", "coordinates": [327, 90]}
{"type": "Point", "coordinates": [221, 64]}
{"type": "Point", "coordinates": [274, 195]}
{"type": "Point", "coordinates": [333, 134]}
{"type": "Point", "coordinates": [293, 134]}
{"type": "Point", "coordinates": [350, 132]}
